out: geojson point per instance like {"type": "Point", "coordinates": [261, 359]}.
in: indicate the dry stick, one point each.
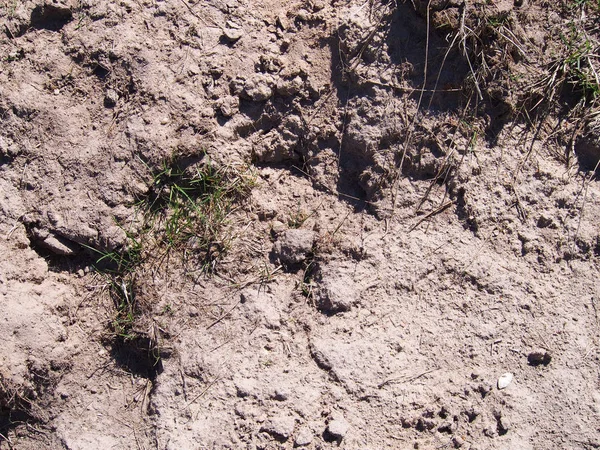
{"type": "Point", "coordinates": [7, 439]}
{"type": "Point", "coordinates": [465, 52]}
{"type": "Point", "coordinates": [432, 213]}
{"type": "Point", "coordinates": [220, 319]}
{"type": "Point", "coordinates": [212, 383]}
{"type": "Point", "coordinates": [345, 121]}
{"type": "Point", "coordinates": [406, 380]}
{"type": "Point", "coordinates": [407, 89]}
{"type": "Point", "coordinates": [437, 80]}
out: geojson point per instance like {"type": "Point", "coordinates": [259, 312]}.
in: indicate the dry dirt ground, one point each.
{"type": "Point", "coordinates": [419, 217]}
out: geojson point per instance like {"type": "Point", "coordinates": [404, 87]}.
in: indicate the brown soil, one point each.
{"type": "Point", "coordinates": [410, 212]}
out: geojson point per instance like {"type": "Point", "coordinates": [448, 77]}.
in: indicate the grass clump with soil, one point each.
{"type": "Point", "coordinates": [184, 217]}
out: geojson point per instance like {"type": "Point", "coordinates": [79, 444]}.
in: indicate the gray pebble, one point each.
{"type": "Point", "coordinates": [338, 428]}
{"type": "Point", "coordinates": [304, 437]}
{"type": "Point", "coordinates": [233, 34]}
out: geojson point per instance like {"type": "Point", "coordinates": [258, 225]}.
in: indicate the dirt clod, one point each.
{"type": "Point", "coordinates": [539, 357]}
{"type": "Point", "coordinates": [336, 292]}
{"type": "Point", "coordinates": [282, 427]}
{"type": "Point", "coordinates": [294, 246]}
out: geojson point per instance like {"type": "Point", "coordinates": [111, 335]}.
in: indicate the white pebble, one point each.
{"type": "Point", "coordinates": [505, 380]}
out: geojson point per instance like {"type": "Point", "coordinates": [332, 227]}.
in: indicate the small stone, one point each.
{"type": "Point", "coordinates": [280, 427]}
{"type": "Point", "coordinates": [59, 245]}
{"type": "Point", "coordinates": [232, 34]}
{"type": "Point", "coordinates": [505, 380]}
{"type": "Point", "coordinates": [338, 428]}
{"type": "Point", "coordinates": [282, 22]}
{"type": "Point", "coordinates": [304, 437]}
{"type": "Point", "coordinates": [539, 357]}
{"type": "Point", "coordinates": [294, 246]}
{"type": "Point", "coordinates": [111, 97]}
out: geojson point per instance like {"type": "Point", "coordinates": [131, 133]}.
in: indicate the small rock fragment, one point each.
{"type": "Point", "coordinates": [304, 437]}
{"type": "Point", "coordinates": [282, 22]}
{"type": "Point", "coordinates": [55, 243]}
{"type": "Point", "coordinates": [539, 357]}
{"type": "Point", "coordinates": [280, 427]}
{"type": "Point", "coordinates": [294, 246]}
{"type": "Point", "coordinates": [232, 34]}
{"type": "Point", "coordinates": [338, 428]}
{"type": "Point", "coordinates": [111, 98]}
{"type": "Point", "coordinates": [505, 380]}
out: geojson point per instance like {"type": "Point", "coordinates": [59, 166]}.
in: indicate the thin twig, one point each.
{"type": "Point", "coordinates": [405, 379]}
{"type": "Point", "coordinates": [431, 214]}
{"type": "Point", "coordinates": [220, 319]}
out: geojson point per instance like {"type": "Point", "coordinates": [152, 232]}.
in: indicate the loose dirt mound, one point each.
{"type": "Point", "coordinates": [307, 224]}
